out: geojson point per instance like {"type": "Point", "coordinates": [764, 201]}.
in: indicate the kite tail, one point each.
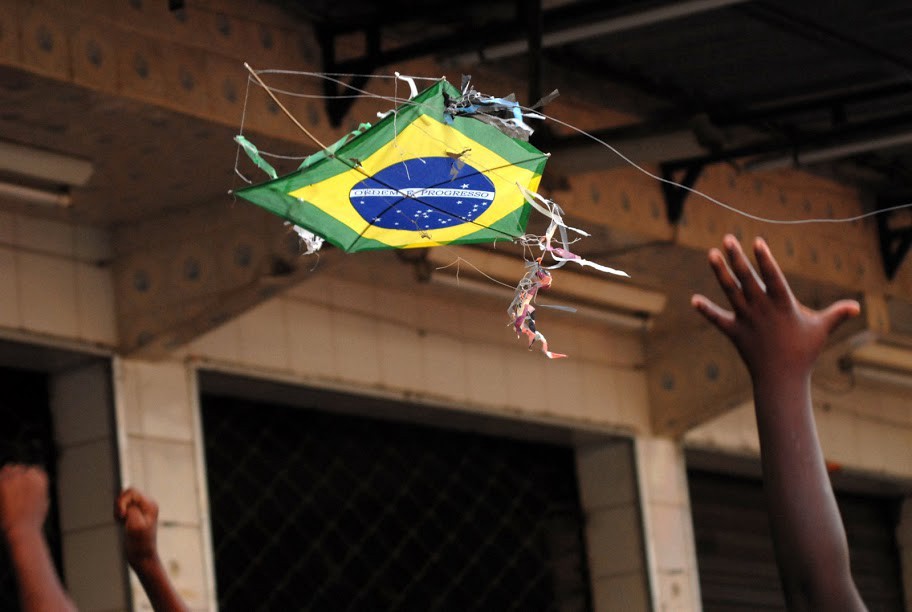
{"type": "Point", "coordinates": [521, 310]}
{"type": "Point", "coordinates": [560, 254]}
{"type": "Point", "coordinates": [539, 337]}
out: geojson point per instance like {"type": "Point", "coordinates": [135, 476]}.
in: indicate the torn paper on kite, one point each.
{"type": "Point", "coordinates": [312, 242]}
{"type": "Point", "coordinates": [505, 114]}
{"type": "Point", "coordinates": [410, 81]}
{"type": "Point", "coordinates": [560, 254]}
{"type": "Point", "coordinates": [413, 91]}
{"type": "Point", "coordinates": [254, 154]}
{"type": "Point", "coordinates": [330, 151]}
{"type": "Point", "coordinates": [521, 310]}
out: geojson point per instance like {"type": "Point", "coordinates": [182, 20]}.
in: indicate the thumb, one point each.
{"type": "Point", "coordinates": [837, 313]}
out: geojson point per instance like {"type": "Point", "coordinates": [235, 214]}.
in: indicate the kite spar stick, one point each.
{"type": "Point", "coordinates": [282, 106]}
{"type": "Point", "coordinates": [298, 123]}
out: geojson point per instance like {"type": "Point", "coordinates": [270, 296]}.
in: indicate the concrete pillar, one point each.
{"type": "Point", "coordinates": [668, 525]}
{"type": "Point", "coordinates": [161, 453]}
{"type": "Point", "coordinates": [614, 534]}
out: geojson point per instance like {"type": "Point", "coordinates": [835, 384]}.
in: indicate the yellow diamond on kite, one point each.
{"type": "Point", "coordinates": [418, 178]}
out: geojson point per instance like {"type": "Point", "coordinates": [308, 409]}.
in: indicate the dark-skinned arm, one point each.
{"type": "Point", "coordinates": [23, 509]}
{"type": "Point", "coordinates": [779, 341]}
{"type": "Point", "coordinates": [139, 515]}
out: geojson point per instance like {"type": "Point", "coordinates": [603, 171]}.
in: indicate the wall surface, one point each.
{"type": "Point", "coordinates": [863, 429]}
{"type": "Point", "coordinates": [54, 280]}
{"type": "Point", "coordinates": [161, 454]}
{"type": "Point", "coordinates": [424, 345]}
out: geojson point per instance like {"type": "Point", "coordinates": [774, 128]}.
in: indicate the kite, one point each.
{"type": "Point", "coordinates": [450, 166]}
{"type": "Point", "coordinates": [425, 175]}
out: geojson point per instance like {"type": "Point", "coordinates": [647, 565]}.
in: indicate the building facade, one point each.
{"type": "Point", "coordinates": [149, 325]}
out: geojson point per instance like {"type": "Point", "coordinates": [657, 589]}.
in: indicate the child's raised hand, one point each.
{"type": "Point", "coordinates": [775, 335]}
{"type": "Point", "coordinates": [139, 515]}
{"type": "Point", "coordinates": [23, 498]}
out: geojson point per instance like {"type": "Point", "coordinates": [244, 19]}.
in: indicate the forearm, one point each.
{"type": "Point", "coordinates": [808, 534]}
{"type": "Point", "coordinates": [39, 588]}
{"type": "Point", "coordinates": [161, 592]}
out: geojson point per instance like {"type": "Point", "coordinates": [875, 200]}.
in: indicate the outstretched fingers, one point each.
{"type": "Point", "coordinates": [727, 281]}
{"type": "Point", "coordinates": [750, 284]}
{"type": "Point", "coordinates": [776, 285]}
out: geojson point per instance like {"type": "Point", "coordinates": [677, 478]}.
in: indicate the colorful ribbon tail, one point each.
{"type": "Point", "coordinates": [563, 255]}
{"type": "Point", "coordinates": [537, 336]}
{"type": "Point", "coordinates": [548, 209]}
{"type": "Point", "coordinates": [544, 347]}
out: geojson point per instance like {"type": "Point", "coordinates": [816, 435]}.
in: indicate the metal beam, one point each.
{"type": "Point", "coordinates": [807, 27]}
{"type": "Point", "coordinates": [585, 31]}
{"type": "Point", "coordinates": [676, 189]}
{"type": "Point", "coordinates": [676, 146]}
{"type": "Point", "coordinates": [338, 105]}
{"type": "Point", "coordinates": [535, 31]}
{"type": "Point", "coordinates": [726, 112]}
{"type": "Point", "coordinates": [832, 152]}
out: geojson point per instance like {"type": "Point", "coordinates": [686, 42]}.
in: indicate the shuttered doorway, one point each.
{"type": "Point", "coordinates": [27, 437]}
{"type": "Point", "coordinates": [314, 510]}
{"type": "Point", "coordinates": [735, 552]}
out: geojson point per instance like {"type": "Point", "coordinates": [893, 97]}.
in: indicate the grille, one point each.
{"type": "Point", "coordinates": [313, 511]}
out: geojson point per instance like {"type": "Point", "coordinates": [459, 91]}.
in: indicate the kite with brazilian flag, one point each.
{"type": "Point", "coordinates": [420, 177]}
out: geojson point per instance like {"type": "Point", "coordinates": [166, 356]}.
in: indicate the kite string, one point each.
{"type": "Point", "coordinates": [282, 106]}
{"type": "Point", "coordinates": [395, 112]}
{"type": "Point", "coordinates": [716, 201]}
{"type": "Point", "coordinates": [279, 156]}
{"type": "Point", "coordinates": [396, 101]}
{"type": "Point", "coordinates": [334, 76]}
{"type": "Point", "coordinates": [237, 154]}
{"type": "Point", "coordinates": [460, 260]}
{"type": "Point", "coordinates": [627, 160]}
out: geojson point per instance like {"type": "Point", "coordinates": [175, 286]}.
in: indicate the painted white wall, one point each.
{"type": "Point", "coordinates": [864, 429]}
{"type": "Point", "coordinates": [161, 454]}
{"type": "Point", "coordinates": [54, 280]}
{"type": "Point", "coordinates": [422, 347]}
{"type": "Point", "coordinates": [668, 524]}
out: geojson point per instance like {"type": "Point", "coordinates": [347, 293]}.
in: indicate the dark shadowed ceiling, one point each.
{"type": "Point", "coordinates": [759, 83]}
{"type": "Point", "coordinates": [767, 83]}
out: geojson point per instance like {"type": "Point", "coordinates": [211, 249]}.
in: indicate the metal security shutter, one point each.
{"type": "Point", "coordinates": [735, 553]}
{"type": "Point", "coordinates": [27, 437]}
{"type": "Point", "coordinates": [316, 511]}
